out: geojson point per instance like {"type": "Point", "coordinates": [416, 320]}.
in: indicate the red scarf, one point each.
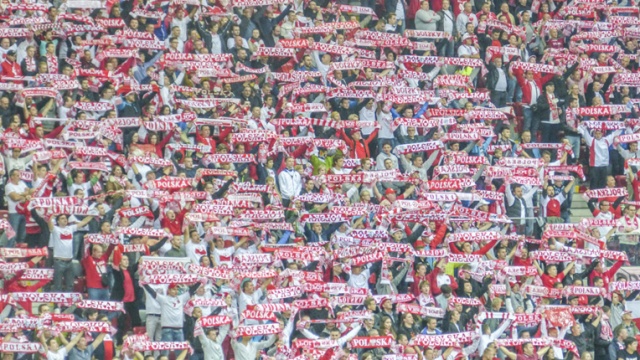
{"type": "Point", "coordinates": [52, 64]}
{"type": "Point", "coordinates": [30, 64]}
{"type": "Point", "coordinates": [571, 118]}
{"type": "Point", "coordinates": [553, 108]}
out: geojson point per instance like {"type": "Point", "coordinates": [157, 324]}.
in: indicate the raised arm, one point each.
{"type": "Point", "coordinates": [98, 341]}
{"type": "Point", "coordinates": [568, 268]}
{"type": "Point", "coordinates": [84, 222]}
{"type": "Point", "coordinates": [73, 341]}
{"type": "Point", "coordinates": [350, 335]}
{"type": "Point", "coordinates": [509, 354]}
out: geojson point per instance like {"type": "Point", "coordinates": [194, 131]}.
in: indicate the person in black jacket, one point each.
{"type": "Point", "coordinates": [598, 88]}
{"type": "Point", "coordinates": [497, 82]}
{"type": "Point", "coordinates": [124, 289]}
{"type": "Point", "coordinates": [549, 114]}
{"type": "Point", "coordinates": [572, 276]}
{"type": "Point", "coordinates": [266, 22]}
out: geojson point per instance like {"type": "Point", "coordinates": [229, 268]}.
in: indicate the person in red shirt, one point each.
{"type": "Point", "coordinates": [172, 222]}
{"type": "Point", "coordinates": [552, 276]}
{"type": "Point", "coordinates": [523, 259]}
{"type": "Point", "coordinates": [438, 274]}
{"type": "Point", "coordinates": [551, 203]}
{"type": "Point", "coordinates": [95, 266]}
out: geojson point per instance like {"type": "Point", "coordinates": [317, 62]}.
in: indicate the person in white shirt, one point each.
{"type": "Point", "coordinates": [153, 312]}
{"type": "Point", "coordinates": [250, 296]}
{"type": "Point", "coordinates": [53, 351]}
{"type": "Point", "coordinates": [181, 21]}
{"type": "Point", "coordinates": [368, 113]}
{"type": "Point", "coordinates": [384, 155]}
{"type": "Point", "coordinates": [290, 182]}
{"type": "Point", "coordinates": [468, 49]}
{"type": "Point", "coordinates": [16, 191]}
{"type": "Point", "coordinates": [175, 33]}
{"type": "Point", "coordinates": [194, 246]}
{"type": "Point", "coordinates": [385, 119]}
{"type": "Point", "coordinates": [359, 276]}
{"type": "Point", "coordinates": [467, 16]}
{"type": "Point", "coordinates": [212, 343]}
{"type": "Point", "coordinates": [15, 161]}
{"type": "Point", "coordinates": [172, 310]}
{"type": "Point", "coordinates": [61, 241]}
{"type": "Point", "coordinates": [223, 256]}
{"type": "Point", "coordinates": [598, 155]}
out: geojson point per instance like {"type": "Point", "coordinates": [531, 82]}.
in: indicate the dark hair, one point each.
{"type": "Point", "coordinates": [628, 341]}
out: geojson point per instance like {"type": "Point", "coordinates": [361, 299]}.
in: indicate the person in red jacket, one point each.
{"type": "Point", "coordinates": [358, 147]}
{"type": "Point", "coordinates": [95, 266]}
{"type": "Point", "coordinates": [607, 275]}
{"type": "Point", "coordinates": [437, 278]}
{"type": "Point", "coordinates": [531, 89]}
{"type": "Point", "coordinates": [10, 67]}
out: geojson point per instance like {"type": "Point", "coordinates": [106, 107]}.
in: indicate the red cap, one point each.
{"type": "Point", "coordinates": [298, 240]}
{"type": "Point", "coordinates": [389, 191]}
{"type": "Point", "coordinates": [418, 244]}
{"type": "Point", "coordinates": [173, 285]}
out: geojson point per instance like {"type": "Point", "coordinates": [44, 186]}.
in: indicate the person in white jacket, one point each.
{"type": "Point", "coordinates": [290, 182]}
{"type": "Point", "coordinates": [212, 343]}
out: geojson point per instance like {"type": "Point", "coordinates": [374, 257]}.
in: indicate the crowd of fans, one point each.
{"type": "Point", "coordinates": [274, 179]}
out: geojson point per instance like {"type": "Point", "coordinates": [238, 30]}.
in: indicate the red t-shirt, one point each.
{"type": "Point", "coordinates": [548, 281]}
{"type": "Point", "coordinates": [553, 208]}
{"type": "Point", "coordinates": [129, 294]}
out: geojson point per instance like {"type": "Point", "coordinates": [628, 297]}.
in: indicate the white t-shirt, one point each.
{"type": "Point", "coordinates": [467, 50]}
{"type": "Point", "coordinates": [13, 188]}
{"type": "Point", "coordinates": [172, 310]}
{"type": "Point", "coordinates": [223, 257]}
{"type": "Point", "coordinates": [62, 241]}
{"type": "Point", "coordinates": [61, 354]}
{"type": "Point", "coordinates": [196, 251]}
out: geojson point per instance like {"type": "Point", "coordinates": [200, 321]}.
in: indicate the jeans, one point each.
{"type": "Point", "coordinates": [197, 356]}
{"type": "Point", "coordinates": [598, 177]}
{"type": "Point", "coordinates": [499, 98]}
{"type": "Point", "coordinates": [550, 132]}
{"type": "Point", "coordinates": [78, 244]}
{"type": "Point", "coordinates": [63, 270]}
{"type": "Point", "coordinates": [511, 88]}
{"type": "Point", "coordinates": [575, 146]}
{"type": "Point", "coordinates": [154, 331]}
{"type": "Point", "coordinates": [98, 294]}
{"type": "Point", "coordinates": [169, 335]}
{"type": "Point", "coordinates": [445, 48]}
{"type": "Point", "coordinates": [527, 115]}
{"type": "Point", "coordinates": [18, 223]}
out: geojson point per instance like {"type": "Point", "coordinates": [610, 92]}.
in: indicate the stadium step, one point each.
{"type": "Point", "coordinates": [579, 208]}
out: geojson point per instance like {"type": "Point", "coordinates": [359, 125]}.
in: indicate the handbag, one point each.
{"type": "Point", "coordinates": [105, 278]}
